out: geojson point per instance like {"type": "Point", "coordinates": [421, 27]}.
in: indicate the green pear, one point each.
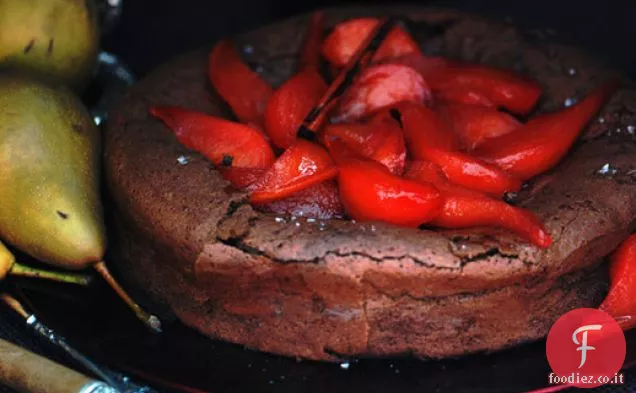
{"type": "Point", "coordinates": [57, 39]}
{"type": "Point", "coordinates": [50, 204]}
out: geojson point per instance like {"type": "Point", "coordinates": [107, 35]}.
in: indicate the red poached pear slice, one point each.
{"type": "Point", "coordinates": [290, 104]}
{"type": "Point", "coordinates": [217, 138]}
{"type": "Point", "coordinates": [301, 166]}
{"type": "Point", "coordinates": [429, 138]}
{"type": "Point", "coordinates": [340, 152]}
{"type": "Point", "coordinates": [380, 140]}
{"type": "Point", "coordinates": [474, 124]}
{"type": "Point", "coordinates": [243, 89]}
{"type": "Point", "coordinates": [462, 96]}
{"type": "Point", "coordinates": [544, 140]}
{"type": "Point", "coordinates": [346, 38]}
{"type": "Point", "coordinates": [470, 172]}
{"type": "Point", "coordinates": [503, 88]}
{"type": "Point", "coordinates": [369, 192]}
{"type": "Point", "coordinates": [621, 298]}
{"type": "Point", "coordinates": [310, 52]}
{"type": "Point", "coordinates": [392, 151]}
{"type": "Point", "coordinates": [381, 86]}
{"type": "Point", "coordinates": [320, 201]}
{"type": "Point", "coordinates": [424, 128]}
{"type": "Point", "coordinates": [465, 208]}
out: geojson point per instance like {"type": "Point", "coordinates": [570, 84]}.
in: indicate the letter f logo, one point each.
{"type": "Point", "coordinates": [584, 347]}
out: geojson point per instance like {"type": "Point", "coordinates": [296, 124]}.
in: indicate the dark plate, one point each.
{"type": "Point", "coordinates": [181, 360]}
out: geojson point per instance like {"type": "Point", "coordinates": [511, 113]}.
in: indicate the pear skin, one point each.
{"type": "Point", "coordinates": [6, 261]}
{"type": "Point", "coordinates": [49, 174]}
{"type": "Point", "coordinates": [57, 39]}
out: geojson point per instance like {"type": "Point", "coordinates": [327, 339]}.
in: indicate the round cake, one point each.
{"type": "Point", "coordinates": [330, 289]}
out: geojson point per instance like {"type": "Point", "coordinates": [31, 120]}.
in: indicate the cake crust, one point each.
{"type": "Point", "coordinates": [330, 289]}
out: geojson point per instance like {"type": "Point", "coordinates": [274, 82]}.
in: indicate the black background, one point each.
{"type": "Point", "coordinates": [153, 31]}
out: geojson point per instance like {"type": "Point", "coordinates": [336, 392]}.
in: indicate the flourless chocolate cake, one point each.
{"type": "Point", "coordinates": [327, 289]}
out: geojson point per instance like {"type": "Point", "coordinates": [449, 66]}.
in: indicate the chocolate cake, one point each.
{"type": "Point", "coordinates": [328, 289]}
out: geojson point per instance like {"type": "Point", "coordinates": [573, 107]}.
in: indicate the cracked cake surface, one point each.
{"type": "Point", "coordinates": [326, 289]}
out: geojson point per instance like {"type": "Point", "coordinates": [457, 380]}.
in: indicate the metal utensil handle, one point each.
{"type": "Point", "coordinates": [109, 14]}
{"type": "Point", "coordinates": [59, 341]}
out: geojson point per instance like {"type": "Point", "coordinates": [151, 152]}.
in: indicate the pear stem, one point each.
{"type": "Point", "coordinates": [148, 319]}
{"type": "Point", "coordinates": [21, 270]}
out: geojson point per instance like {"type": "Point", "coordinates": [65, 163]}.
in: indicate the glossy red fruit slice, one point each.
{"type": "Point", "coordinates": [470, 172]}
{"type": "Point", "coordinates": [381, 86]}
{"type": "Point", "coordinates": [217, 138]}
{"type": "Point", "coordinates": [340, 152]}
{"type": "Point", "coordinates": [465, 208]}
{"type": "Point", "coordinates": [244, 90]}
{"type": "Point", "coordinates": [462, 96]}
{"type": "Point", "coordinates": [474, 124]}
{"type": "Point", "coordinates": [380, 140]}
{"type": "Point", "coordinates": [290, 104]}
{"type": "Point", "coordinates": [545, 140]}
{"type": "Point", "coordinates": [369, 192]}
{"type": "Point", "coordinates": [429, 138]}
{"type": "Point", "coordinates": [301, 166]}
{"type": "Point", "coordinates": [346, 38]}
{"type": "Point", "coordinates": [424, 128]}
{"type": "Point", "coordinates": [503, 88]}
{"type": "Point", "coordinates": [621, 298]}
{"type": "Point", "coordinates": [310, 52]}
